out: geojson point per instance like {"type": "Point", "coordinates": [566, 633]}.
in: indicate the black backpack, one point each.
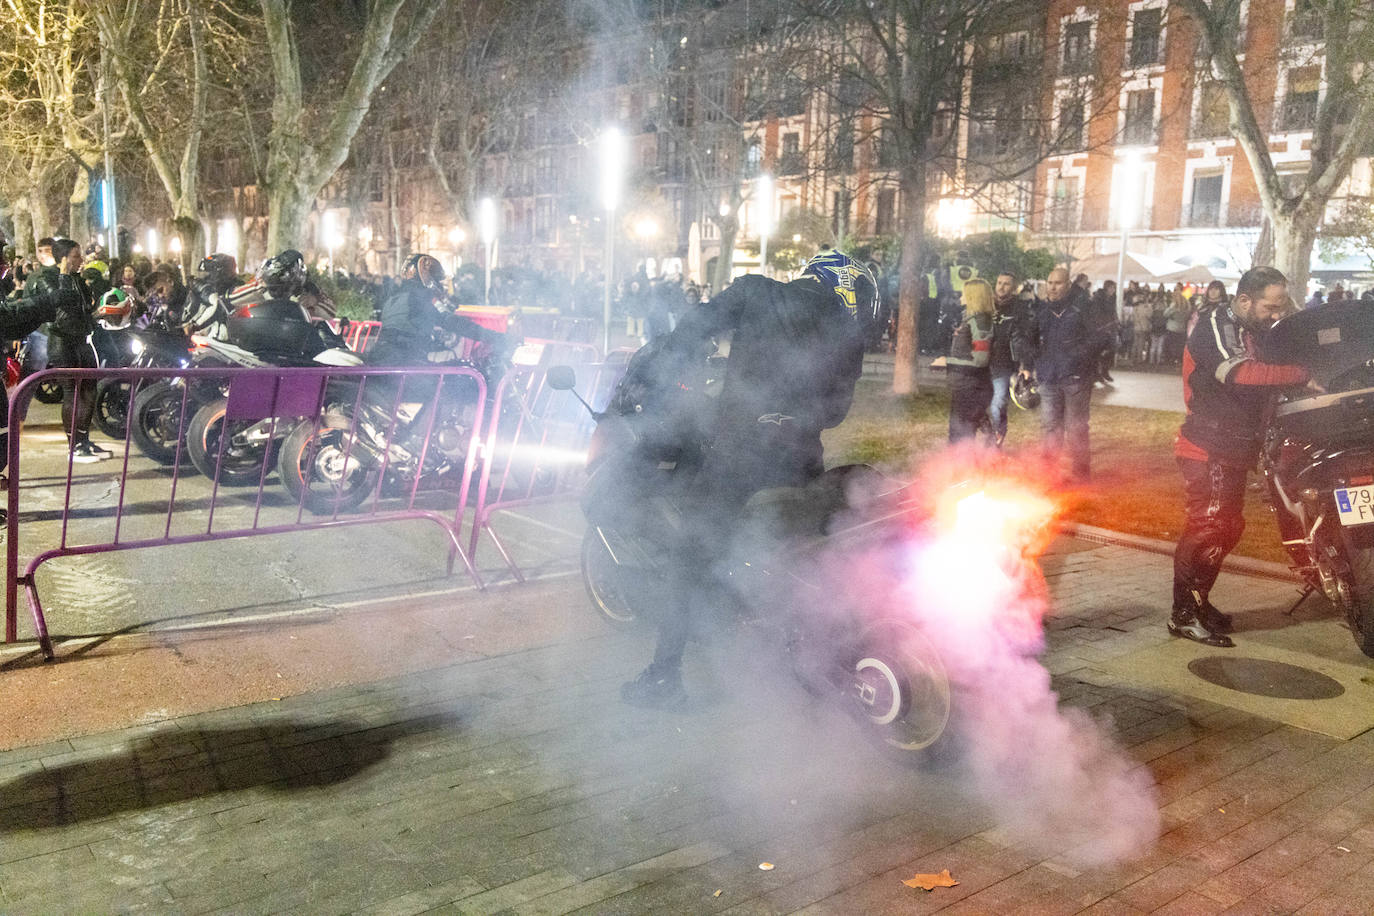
{"type": "Point", "coordinates": [1159, 323]}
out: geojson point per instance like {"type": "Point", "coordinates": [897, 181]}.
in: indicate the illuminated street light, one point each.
{"type": "Point", "coordinates": [174, 245]}
{"type": "Point", "coordinates": [1128, 211]}
{"type": "Point", "coordinates": [152, 243]}
{"type": "Point", "coordinates": [764, 209]}
{"type": "Point", "coordinates": [486, 224]}
{"type": "Point", "coordinates": [228, 240]}
{"type": "Point", "coordinates": [613, 163]}
{"type": "Point", "coordinates": [646, 228]}
{"type": "Point", "coordinates": [330, 235]}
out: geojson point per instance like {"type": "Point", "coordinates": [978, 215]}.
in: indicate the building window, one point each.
{"type": "Point", "coordinates": [713, 98]}
{"type": "Point", "coordinates": [1205, 206]}
{"type": "Point", "coordinates": [1213, 115]}
{"type": "Point", "coordinates": [1063, 215]}
{"type": "Point", "coordinates": [790, 162]}
{"type": "Point", "coordinates": [1300, 102]}
{"type": "Point", "coordinates": [840, 202]}
{"type": "Point", "coordinates": [842, 150]}
{"type": "Point", "coordinates": [886, 222]}
{"type": "Point", "coordinates": [376, 189]}
{"type": "Point", "coordinates": [1147, 34]}
{"type": "Point", "coordinates": [1078, 47]}
{"type": "Point", "coordinates": [887, 147]}
{"type": "Point", "coordinates": [753, 159]}
{"type": "Point", "coordinates": [1072, 120]}
{"type": "Point", "coordinates": [545, 215]}
{"type": "Point", "coordinates": [1139, 129]}
{"type": "Point", "coordinates": [1305, 21]}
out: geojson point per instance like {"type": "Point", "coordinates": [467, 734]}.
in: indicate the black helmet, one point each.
{"type": "Point", "coordinates": [1024, 393]}
{"type": "Point", "coordinates": [220, 271]}
{"type": "Point", "coordinates": [425, 268]}
{"type": "Point", "coordinates": [851, 282]}
{"type": "Point", "coordinates": [283, 275]}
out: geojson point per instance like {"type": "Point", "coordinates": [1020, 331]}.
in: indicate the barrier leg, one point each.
{"type": "Point", "coordinates": [40, 624]}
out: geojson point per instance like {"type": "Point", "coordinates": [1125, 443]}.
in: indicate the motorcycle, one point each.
{"type": "Point", "coordinates": [333, 462]}
{"type": "Point", "coordinates": [1318, 458]}
{"type": "Point", "coordinates": [847, 577]}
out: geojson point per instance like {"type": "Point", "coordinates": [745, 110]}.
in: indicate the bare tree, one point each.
{"type": "Point", "coordinates": [1333, 40]}
{"type": "Point", "coordinates": [310, 137]}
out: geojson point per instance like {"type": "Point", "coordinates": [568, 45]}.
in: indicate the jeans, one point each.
{"type": "Point", "coordinates": [1064, 415]}
{"type": "Point", "coordinates": [997, 410]}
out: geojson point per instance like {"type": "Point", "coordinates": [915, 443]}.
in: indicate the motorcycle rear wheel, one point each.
{"type": "Point", "coordinates": [1362, 592]}
{"type": "Point", "coordinates": [899, 686]}
{"type": "Point", "coordinates": [323, 471]}
{"type": "Point", "coordinates": [238, 466]}
{"type": "Point", "coordinates": [611, 588]}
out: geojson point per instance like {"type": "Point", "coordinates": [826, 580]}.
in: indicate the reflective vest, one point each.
{"type": "Point", "coordinates": [974, 351]}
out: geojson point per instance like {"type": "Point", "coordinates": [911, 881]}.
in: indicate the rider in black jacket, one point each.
{"type": "Point", "coordinates": [410, 317]}
{"type": "Point", "coordinates": [21, 318]}
{"type": "Point", "coordinates": [796, 352]}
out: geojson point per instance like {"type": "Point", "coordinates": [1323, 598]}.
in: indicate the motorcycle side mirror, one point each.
{"type": "Point", "coordinates": [561, 378]}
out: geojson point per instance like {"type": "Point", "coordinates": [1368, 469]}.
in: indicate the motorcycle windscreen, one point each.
{"type": "Point", "coordinates": [1329, 340]}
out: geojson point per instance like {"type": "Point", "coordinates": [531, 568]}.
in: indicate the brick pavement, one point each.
{"type": "Point", "coordinates": [514, 781]}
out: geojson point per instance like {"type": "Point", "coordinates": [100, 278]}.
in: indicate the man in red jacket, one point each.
{"type": "Point", "coordinates": [1227, 390]}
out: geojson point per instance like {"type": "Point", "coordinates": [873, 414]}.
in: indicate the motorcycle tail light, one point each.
{"type": "Point", "coordinates": [1362, 481]}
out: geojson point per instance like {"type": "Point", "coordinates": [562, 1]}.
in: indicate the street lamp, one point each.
{"type": "Point", "coordinates": [228, 240]}
{"type": "Point", "coordinates": [765, 217]}
{"type": "Point", "coordinates": [486, 224]}
{"type": "Point", "coordinates": [329, 229]}
{"type": "Point", "coordinates": [174, 248]}
{"type": "Point", "coordinates": [152, 243]}
{"type": "Point", "coordinates": [1128, 211]}
{"type": "Point", "coordinates": [613, 156]}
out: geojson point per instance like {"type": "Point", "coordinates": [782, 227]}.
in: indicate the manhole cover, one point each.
{"type": "Point", "coordinates": [1265, 678]}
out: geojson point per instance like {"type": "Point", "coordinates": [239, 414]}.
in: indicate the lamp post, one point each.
{"type": "Point", "coordinates": [174, 249]}
{"type": "Point", "coordinates": [152, 243]}
{"type": "Point", "coordinates": [456, 237]}
{"type": "Point", "coordinates": [612, 177]}
{"type": "Point", "coordinates": [1127, 200]}
{"type": "Point", "coordinates": [486, 224]}
{"type": "Point", "coordinates": [764, 190]}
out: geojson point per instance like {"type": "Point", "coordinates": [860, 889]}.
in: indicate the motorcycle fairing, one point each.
{"type": "Point", "coordinates": [1330, 340]}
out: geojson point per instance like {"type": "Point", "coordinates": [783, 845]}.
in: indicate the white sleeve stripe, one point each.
{"type": "Point", "coordinates": [1225, 369]}
{"type": "Point", "coordinates": [1216, 334]}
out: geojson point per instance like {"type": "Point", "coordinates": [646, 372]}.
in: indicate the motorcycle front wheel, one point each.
{"type": "Point", "coordinates": [323, 469]}
{"type": "Point", "coordinates": [155, 420]}
{"type": "Point", "coordinates": [618, 597]}
{"type": "Point", "coordinates": [899, 686]}
{"type": "Point", "coordinates": [1361, 561]}
{"type": "Point", "coordinates": [112, 407]}
{"type": "Point", "coordinates": [240, 464]}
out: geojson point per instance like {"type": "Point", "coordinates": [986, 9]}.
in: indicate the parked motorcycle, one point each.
{"type": "Point", "coordinates": [846, 577]}
{"type": "Point", "coordinates": [1318, 458]}
{"type": "Point", "coordinates": [333, 462]}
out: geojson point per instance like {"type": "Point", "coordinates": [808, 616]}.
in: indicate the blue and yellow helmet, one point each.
{"type": "Point", "coordinates": [851, 282]}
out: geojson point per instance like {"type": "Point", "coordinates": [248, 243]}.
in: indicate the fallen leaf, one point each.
{"type": "Point", "coordinates": [1222, 810]}
{"type": "Point", "coordinates": [716, 894]}
{"type": "Point", "coordinates": [930, 882]}
{"type": "Point", "coordinates": [1342, 849]}
{"type": "Point", "coordinates": [765, 866]}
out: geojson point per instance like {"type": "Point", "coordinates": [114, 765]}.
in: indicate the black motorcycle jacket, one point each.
{"type": "Point", "coordinates": [74, 320]}
{"type": "Point", "coordinates": [1227, 391]}
{"type": "Point", "coordinates": [795, 356]}
{"type": "Point", "coordinates": [408, 322]}
{"type": "Point", "coordinates": [1007, 320]}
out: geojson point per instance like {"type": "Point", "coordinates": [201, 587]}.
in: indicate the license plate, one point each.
{"type": "Point", "coordinates": [1356, 505]}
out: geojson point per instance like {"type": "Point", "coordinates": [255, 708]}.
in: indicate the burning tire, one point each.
{"type": "Point", "coordinates": [899, 686]}
{"type": "Point", "coordinates": [617, 597]}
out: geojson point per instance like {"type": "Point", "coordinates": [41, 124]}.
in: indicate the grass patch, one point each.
{"type": "Point", "coordinates": [1136, 486]}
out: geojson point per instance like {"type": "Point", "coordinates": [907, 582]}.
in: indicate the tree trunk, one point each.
{"type": "Point", "coordinates": [42, 219]}
{"type": "Point", "coordinates": [1294, 236]}
{"type": "Point", "coordinates": [912, 280]}
{"type": "Point", "coordinates": [725, 262]}
{"type": "Point", "coordinates": [288, 208]}
{"type": "Point", "coordinates": [79, 206]}
{"type": "Point", "coordinates": [23, 228]}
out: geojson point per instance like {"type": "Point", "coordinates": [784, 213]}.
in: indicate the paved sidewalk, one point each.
{"type": "Point", "coordinates": [506, 776]}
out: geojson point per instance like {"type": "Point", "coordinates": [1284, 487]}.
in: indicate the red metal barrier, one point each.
{"type": "Point", "coordinates": [360, 334]}
{"type": "Point", "coordinates": [253, 397]}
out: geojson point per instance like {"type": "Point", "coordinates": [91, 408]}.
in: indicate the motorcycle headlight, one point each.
{"type": "Point", "coordinates": [136, 346]}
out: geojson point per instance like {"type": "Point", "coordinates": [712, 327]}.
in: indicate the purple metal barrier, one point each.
{"type": "Point", "coordinates": [343, 433]}
{"type": "Point", "coordinates": [536, 439]}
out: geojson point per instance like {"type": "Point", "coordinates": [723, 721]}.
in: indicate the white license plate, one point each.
{"type": "Point", "coordinates": [1356, 505]}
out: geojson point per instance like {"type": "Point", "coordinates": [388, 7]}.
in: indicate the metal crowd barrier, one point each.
{"type": "Point", "coordinates": [201, 509]}
{"type": "Point", "coordinates": [360, 334]}
{"type": "Point", "coordinates": [536, 440]}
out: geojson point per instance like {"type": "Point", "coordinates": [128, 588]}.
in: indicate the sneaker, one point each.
{"type": "Point", "coordinates": [1213, 619]}
{"type": "Point", "coordinates": [655, 689]}
{"type": "Point", "coordinates": [85, 453]}
{"type": "Point", "coordinates": [100, 452]}
{"type": "Point", "coordinates": [1185, 623]}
